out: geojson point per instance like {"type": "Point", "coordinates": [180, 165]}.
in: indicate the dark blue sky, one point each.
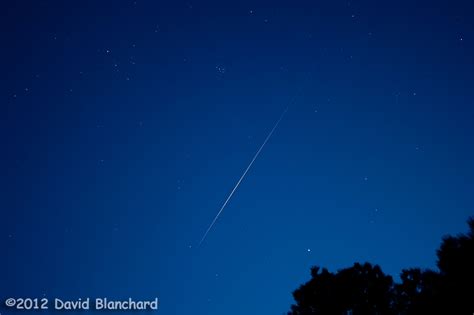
{"type": "Point", "coordinates": [126, 124]}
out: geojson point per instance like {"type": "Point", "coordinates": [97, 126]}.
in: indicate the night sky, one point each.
{"type": "Point", "coordinates": [126, 124]}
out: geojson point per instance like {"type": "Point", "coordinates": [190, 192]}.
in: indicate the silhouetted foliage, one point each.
{"type": "Point", "coordinates": [416, 293]}
{"type": "Point", "coordinates": [366, 290]}
{"type": "Point", "coordinates": [456, 265]}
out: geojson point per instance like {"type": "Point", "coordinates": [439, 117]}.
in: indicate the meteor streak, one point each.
{"type": "Point", "coordinates": [243, 175]}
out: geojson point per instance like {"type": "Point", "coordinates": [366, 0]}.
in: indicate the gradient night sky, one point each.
{"type": "Point", "coordinates": [125, 124]}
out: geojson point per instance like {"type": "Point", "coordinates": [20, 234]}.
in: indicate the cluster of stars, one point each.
{"type": "Point", "coordinates": [220, 69]}
{"type": "Point", "coordinates": [179, 184]}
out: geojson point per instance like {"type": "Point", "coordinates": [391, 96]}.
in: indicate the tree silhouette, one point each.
{"type": "Point", "coordinates": [366, 290]}
{"type": "Point", "coordinates": [416, 293]}
{"type": "Point", "coordinates": [456, 265]}
{"type": "Point", "coordinates": [360, 289]}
